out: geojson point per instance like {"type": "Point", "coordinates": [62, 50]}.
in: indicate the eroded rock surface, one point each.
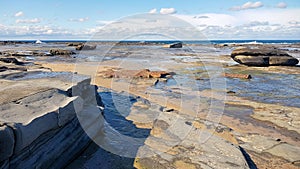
{"type": "Point", "coordinates": [263, 57]}
{"type": "Point", "coordinates": [38, 118]}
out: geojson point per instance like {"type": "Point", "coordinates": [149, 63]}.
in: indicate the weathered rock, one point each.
{"type": "Point", "coordinates": [4, 164]}
{"type": "Point", "coordinates": [11, 60]}
{"type": "Point", "coordinates": [286, 151]}
{"type": "Point", "coordinates": [7, 142]}
{"type": "Point", "coordinates": [40, 123]}
{"type": "Point", "coordinates": [61, 52]}
{"type": "Point", "coordinates": [262, 57]}
{"type": "Point", "coordinates": [25, 53]}
{"type": "Point", "coordinates": [86, 47]}
{"type": "Point", "coordinates": [144, 73]}
{"type": "Point", "coordinates": [174, 45]}
{"type": "Point", "coordinates": [241, 76]}
{"type": "Point", "coordinates": [3, 68]}
{"type": "Point", "coordinates": [74, 44]}
{"type": "Point", "coordinates": [159, 74]}
{"type": "Point", "coordinates": [53, 149]}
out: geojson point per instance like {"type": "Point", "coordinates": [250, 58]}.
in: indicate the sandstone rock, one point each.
{"type": "Point", "coordinates": [241, 76]}
{"type": "Point", "coordinates": [144, 73]}
{"type": "Point", "coordinates": [86, 47]}
{"type": "Point", "coordinates": [61, 52]}
{"type": "Point", "coordinates": [53, 150]}
{"type": "Point", "coordinates": [159, 74]}
{"type": "Point", "coordinates": [39, 111]}
{"type": "Point", "coordinates": [286, 151]}
{"type": "Point", "coordinates": [262, 57]}
{"type": "Point", "coordinates": [3, 68]}
{"type": "Point", "coordinates": [74, 44]}
{"type": "Point", "coordinates": [4, 164]}
{"type": "Point", "coordinates": [174, 45]}
{"type": "Point", "coordinates": [7, 142]}
{"type": "Point", "coordinates": [11, 60]}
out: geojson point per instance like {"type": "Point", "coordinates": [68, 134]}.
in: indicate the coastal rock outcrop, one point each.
{"type": "Point", "coordinates": [262, 57]}
{"type": "Point", "coordinates": [11, 60]}
{"type": "Point", "coordinates": [82, 46]}
{"type": "Point", "coordinates": [144, 73]}
{"type": "Point", "coordinates": [39, 127]}
{"type": "Point", "coordinates": [61, 52]}
{"type": "Point", "coordinates": [174, 45]}
{"type": "Point", "coordinates": [85, 47]}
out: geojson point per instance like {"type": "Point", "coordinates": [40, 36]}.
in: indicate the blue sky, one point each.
{"type": "Point", "coordinates": [218, 19]}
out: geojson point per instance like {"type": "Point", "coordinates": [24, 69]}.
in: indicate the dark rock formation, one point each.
{"type": "Point", "coordinates": [61, 52]}
{"type": "Point", "coordinates": [11, 60]}
{"type": "Point", "coordinates": [86, 47]}
{"type": "Point", "coordinates": [262, 57]}
{"type": "Point", "coordinates": [174, 45]}
{"type": "Point", "coordinates": [74, 44]}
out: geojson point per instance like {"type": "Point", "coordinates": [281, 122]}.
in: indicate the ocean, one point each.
{"type": "Point", "coordinates": [174, 41]}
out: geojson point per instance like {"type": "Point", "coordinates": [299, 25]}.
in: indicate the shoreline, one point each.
{"type": "Point", "coordinates": [271, 138]}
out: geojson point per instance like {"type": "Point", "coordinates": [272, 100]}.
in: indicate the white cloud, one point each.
{"type": "Point", "coordinates": [201, 17]}
{"type": "Point", "coordinates": [79, 19]}
{"type": "Point", "coordinates": [265, 23]}
{"type": "Point", "coordinates": [167, 11]}
{"type": "Point", "coordinates": [281, 5]}
{"type": "Point", "coordinates": [210, 19]}
{"type": "Point", "coordinates": [31, 31]}
{"type": "Point", "coordinates": [20, 13]}
{"type": "Point", "coordinates": [152, 11]}
{"type": "Point", "coordinates": [247, 5]}
{"type": "Point", "coordinates": [249, 24]}
{"type": "Point", "coordinates": [28, 21]}
{"type": "Point", "coordinates": [49, 31]}
{"type": "Point", "coordinates": [256, 23]}
{"type": "Point", "coordinates": [102, 22]}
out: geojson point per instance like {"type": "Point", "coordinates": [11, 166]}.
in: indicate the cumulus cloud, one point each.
{"type": "Point", "coordinates": [152, 11]}
{"type": "Point", "coordinates": [201, 17]}
{"type": "Point", "coordinates": [79, 19]}
{"type": "Point", "coordinates": [256, 23]}
{"type": "Point", "coordinates": [102, 22]}
{"type": "Point", "coordinates": [246, 24]}
{"type": "Point", "coordinates": [31, 31]}
{"type": "Point", "coordinates": [28, 21]}
{"type": "Point", "coordinates": [281, 5]}
{"type": "Point", "coordinates": [18, 14]}
{"type": "Point", "coordinates": [247, 5]}
{"type": "Point", "coordinates": [294, 22]}
{"type": "Point", "coordinates": [167, 11]}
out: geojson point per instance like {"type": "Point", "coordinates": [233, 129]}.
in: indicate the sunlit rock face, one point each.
{"type": "Point", "coordinates": [39, 127]}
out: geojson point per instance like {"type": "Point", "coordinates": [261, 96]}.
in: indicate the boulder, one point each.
{"type": "Point", "coordinates": [263, 57]}
{"type": "Point", "coordinates": [159, 74]}
{"type": "Point", "coordinates": [61, 52]}
{"type": "Point", "coordinates": [174, 45]}
{"type": "Point", "coordinates": [86, 47]}
{"type": "Point", "coordinates": [74, 44]}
